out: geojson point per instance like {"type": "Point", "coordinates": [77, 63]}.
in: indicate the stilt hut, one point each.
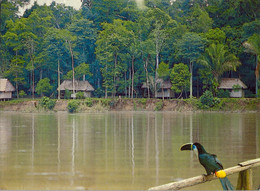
{"type": "Point", "coordinates": [234, 85]}
{"type": "Point", "coordinates": [6, 89]}
{"type": "Point", "coordinates": [163, 89]}
{"type": "Point", "coordinates": [80, 86]}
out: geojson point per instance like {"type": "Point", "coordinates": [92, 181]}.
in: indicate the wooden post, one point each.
{"type": "Point", "coordinates": [245, 181]}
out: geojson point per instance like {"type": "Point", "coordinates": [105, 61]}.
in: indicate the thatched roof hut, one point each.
{"type": "Point", "coordinates": [6, 89]}
{"type": "Point", "coordinates": [83, 86]}
{"type": "Point", "coordinates": [230, 83]}
{"type": "Point", "coordinates": [79, 85]}
{"type": "Point", "coordinates": [164, 90]}
{"type": "Point", "coordinates": [163, 84]}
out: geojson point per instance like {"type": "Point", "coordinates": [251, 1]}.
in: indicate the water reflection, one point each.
{"type": "Point", "coordinates": [119, 150]}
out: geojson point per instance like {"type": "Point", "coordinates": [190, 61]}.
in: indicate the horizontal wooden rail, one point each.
{"type": "Point", "coordinates": [201, 179]}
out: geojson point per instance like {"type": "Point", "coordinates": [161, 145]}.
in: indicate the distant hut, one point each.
{"type": "Point", "coordinates": [80, 86]}
{"type": "Point", "coordinates": [234, 85]}
{"type": "Point", "coordinates": [164, 89]}
{"type": "Point", "coordinates": [6, 89]}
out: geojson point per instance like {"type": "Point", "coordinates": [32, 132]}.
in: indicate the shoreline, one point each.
{"type": "Point", "coordinates": [233, 105]}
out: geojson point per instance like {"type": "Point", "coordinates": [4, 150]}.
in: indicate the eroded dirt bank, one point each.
{"type": "Point", "coordinates": [239, 105]}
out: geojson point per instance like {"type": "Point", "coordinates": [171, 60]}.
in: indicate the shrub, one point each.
{"type": "Point", "coordinates": [73, 106]}
{"type": "Point", "coordinates": [105, 102]}
{"type": "Point", "coordinates": [216, 101]}
{"type": "Point", "coordinates": [43, 87]}
{"type": "Point", "coordinates": [67, 94]}
{"type": "Point", "coordinates": [222, 93]}
{"type": "Point", "coordinates": [143, 101]}
{"type": "Point", "coordinates": [22, 93]}
{"type": "Point", "coordinates": [47, 103]}
{"type": "Point", "coordinates": [80, 95]}
{"type": "Point", "coordinates": [207, 99]}
{"type": "Point", "coordinates": [135, 107]}
{"type": "Point", "coordinates": [158, 105]}
{"type": "Point", "coordinates": [99, 92]}
{"type": "Point", "coordinates": [89, 102]}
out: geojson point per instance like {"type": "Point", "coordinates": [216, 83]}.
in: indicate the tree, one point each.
{"type": "Point", "coordinates": [163, 73]}
{"type": "Point", "coordinates": [253, 46]}
{"type": "Point", "coordinates": [218, 60]}
{"type": "Point", "coordinates": [190, 48]}
{"type": "Point", "coordinates": [180, 76]}
{"type": "Point", "coordinates": [162, 28]}
{"type": "Point", "coordinates": [199, 21]}
{"type": "Point", "coordinates": [111, 44]}
{"type": "Point", "coordinates": [70, 40]}
{"type": "Point", "coordinates": [86, 38]}
{"type": "Point", "coordinates": [134, 52]}
{"type": "Point", "coordinates": [14, 39]}
{"type": "Point", "coordinates": [11, 3]}
{"type": "Point", "coordinates": [147, 50]}
{"type": "Point", "coordinates": [43, 87]}
{"type": "Point", "coordinates": [80, 72]}
{"type": "Point", "coordinates": [216, 36]}
{"type": "Point", "coordinates": [36, 26]}
{"type": "Point", "coordinates": [16, 72]}
{"type": "Point", "coordinates": [53, 47]}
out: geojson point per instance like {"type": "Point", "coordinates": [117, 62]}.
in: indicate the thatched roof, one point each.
{"type": "Point", "coordinates": [79, 85]}
{"type": "Point", "coordinates": [6, 86]}
{"type": "Point", "coordinates": [228, 83]}
{"type": "Point", "coordinates": [164, 84]}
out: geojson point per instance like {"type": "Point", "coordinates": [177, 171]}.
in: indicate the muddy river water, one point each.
{"type": "Point", "coordinates": [120, 150]}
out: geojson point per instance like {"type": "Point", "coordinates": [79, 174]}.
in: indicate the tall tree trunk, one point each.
{"type": "Point", "coordinates": [129, 86]}
{"type": "Point", "coordinates": [106, 85]}
{"type": "Point", "coordinates": [191, 65]}
{"type": "Point", "coordinates": [33, 75]}
{"type": "Point", "coordinates": [162, 91]}
{"type": "Point", "coordinates": [16, 83]}
{"type": "Point", "coordinates": [114, 78]}
{"type": "Point", "coordinates": [32, 60]}
{"type": "Point", "coordinates": [40, 74]}
{"type": "Point", "coordinates": [58, 78]}
{"type": "Point", "coordinates": [256, 76]}
{"type": "Point", "coordinates": [147, 77]}
{"type": "Point", "coordinates": [133, 73]}
{"type": "Point", "coordinates": [157, 65]}
{"type": "Point", "coordinates": [72, 65]}
{"type": "Point", "coordinates": [125, 84]}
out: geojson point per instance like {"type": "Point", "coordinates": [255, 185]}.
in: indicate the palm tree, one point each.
{"type": "Point", "coordinates": [253, 46]}
{"type": "Point", "coordinates": [219, 60]}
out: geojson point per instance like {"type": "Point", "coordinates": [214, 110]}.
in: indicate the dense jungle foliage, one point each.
{"type": "Point", "coordinates": [118, 45]}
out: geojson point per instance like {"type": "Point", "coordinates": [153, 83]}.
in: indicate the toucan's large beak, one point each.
{"type": "Point", "coordinates": [187, 146]}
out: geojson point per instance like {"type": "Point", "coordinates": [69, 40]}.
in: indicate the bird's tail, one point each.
{"type": "Point", "coordinates": [221, 174]}
{"type": "Point", "coordinates": [226, 184]}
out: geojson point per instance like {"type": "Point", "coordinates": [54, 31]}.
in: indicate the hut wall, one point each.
{"type": "Point", "coordinates": [167, 94]}
{"type": "Point", "coordinates": [236, 94]}
{"type": "Point", "coordinates": [5, 95]}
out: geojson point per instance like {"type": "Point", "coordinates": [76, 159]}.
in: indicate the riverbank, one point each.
{"type": "Point", "coordinates": [125, 104]}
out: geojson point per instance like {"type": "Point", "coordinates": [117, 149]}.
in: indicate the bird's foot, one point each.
{"type": "Point", "coordinates": [206, 176]}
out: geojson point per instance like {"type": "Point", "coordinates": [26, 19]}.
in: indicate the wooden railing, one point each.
{"type": "Point", "coordinates": [244, 179]}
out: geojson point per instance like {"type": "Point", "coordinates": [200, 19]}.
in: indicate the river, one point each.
{"type": "Point", "coordinates": [120, 150]}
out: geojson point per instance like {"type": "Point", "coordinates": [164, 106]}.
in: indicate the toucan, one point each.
{"type": "Point", "coordinates": [210, 163]}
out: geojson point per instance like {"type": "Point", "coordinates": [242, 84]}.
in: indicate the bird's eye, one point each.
{"type": "Point", "coordinates": [194, 147]}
